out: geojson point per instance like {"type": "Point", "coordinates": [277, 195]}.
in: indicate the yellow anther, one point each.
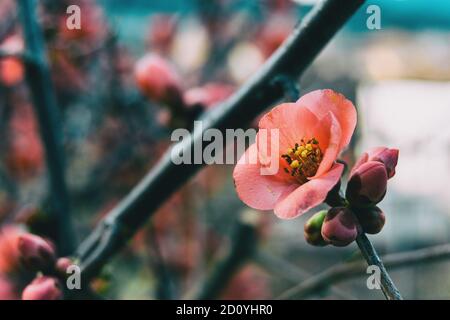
{"type": "Point", "coordinates": [295, 164]}
{"type": "Point", "coordinates": [304, 153]}
{"type": "Point", "coordinates": [303, 159]}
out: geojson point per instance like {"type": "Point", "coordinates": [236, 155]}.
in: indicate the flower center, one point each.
{"type": "Point", "coordinates": [303, 160]}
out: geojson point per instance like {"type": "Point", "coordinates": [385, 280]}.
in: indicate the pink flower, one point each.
{"type": "Point", "coordinates": [157, 78]}
{"type": "Point", "coordinates": [312, 133]}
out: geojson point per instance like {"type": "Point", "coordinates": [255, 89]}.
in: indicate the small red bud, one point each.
{"type": "Point", "coordinates": [43, 288]}
{"type": "Point", "coordinates": [340, 227]}
{"type": "Point", "coordinates": [388, 157]}
{"type": "Point", "coordinates": [36, 254]}
{"type": "Point", "coordinates": [371, 219]}
{"type": "Point", "coordinates": [367, 184]}
{"type": "Point", "coordinates": [157, 79]}
{"type": "Point", "coordinates": [62, 265]}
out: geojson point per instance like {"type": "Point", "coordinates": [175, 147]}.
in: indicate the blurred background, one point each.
{"type": "Point", "coordinates": [115, 129]}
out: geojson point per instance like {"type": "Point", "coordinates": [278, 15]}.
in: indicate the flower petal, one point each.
{"type": "Point", "coordinates": [309, 194]}
{"type": "Point", "coordinates": [331, 145]}
{"type": "Point", "coordinates": [254, 189]}
{"type": "Point", "coordinates": [293, 121]}
{"type": "Point", "coordinates": [320, 102]}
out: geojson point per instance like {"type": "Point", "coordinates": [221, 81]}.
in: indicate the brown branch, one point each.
{"type": "Point", "coordinates": [291, 272]}
{"type": "Point", "coordinates": [259, 93]}
{"type": "Point", "coordinates": [369, 253]}
{"type": "Point", "coordinates": [349, 270]}
{"type": "Point", "coordinates": [244, 241]}
{"type": "Point", "coordinates": [44, 102]}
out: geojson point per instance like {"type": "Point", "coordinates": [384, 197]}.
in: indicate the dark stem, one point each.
{"type": "Point", "coordinates": [340, 272]}
{"type": "Point", "coordinates": [244, 241]}
{"type": "Point", "coordinates": [292, 273]}
{"type": "Point", "coordinates": [368, 251]}
{"type": "Point", "coordinates": [164, 285]}
{"type": "Point", "coordinates": [259, 93]}
{"type": "Point", "coordinates": [43, 96]}
{"type": "Point", "coordinates": [334, 199]}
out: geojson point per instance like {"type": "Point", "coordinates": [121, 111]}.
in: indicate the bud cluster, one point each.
{"type": "Point", "coordinates": [358, 212]}
{"type": "Point", "coordinates": [38, 256]}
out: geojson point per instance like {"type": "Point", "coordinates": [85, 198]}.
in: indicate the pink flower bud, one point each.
{"type": "Point", "coordinates": [313, 227]}
{"type": "Point", "coordinates": [208, 95]}
{"type": "Point", "coordinates": [62, 265]}
{"type": "Point", "coordinates": [388, 157]}
{"type": "Point", "coordinates": [367, 184]}
{"type": "Point", "coordinates": [36, 253]}
{"type": "Point", "coordinates": [43, 288]}
{"type": "Point", "coordinates": [340, 227]}
{"type": "Point", "coordinates": [371, 219]}
{"type": "Point", "coordinates": [157, 78]}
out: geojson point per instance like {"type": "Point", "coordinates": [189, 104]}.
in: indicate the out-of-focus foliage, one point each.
{"type": "Point", "coordinates": [115, 128]}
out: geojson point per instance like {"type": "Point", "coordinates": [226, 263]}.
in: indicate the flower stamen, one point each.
{"type": "Point", "coordinates": [303, 159]}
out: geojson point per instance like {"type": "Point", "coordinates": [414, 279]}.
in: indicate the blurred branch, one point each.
{"type": "Point", "coordinates": [369, 253]}
{"type": "Point", "coordinates": [244, 241]}
{"type": "Point", "coordinates": [24, 57]}
{"type": "Point", "coordinates": [349, 270]}
{"type": "Point", "coordinates": [259, 93]}
{"type": "Point", "coordinates": [6, 54]}
{"type": "Point", "coordinates": [7, 25]}
{"type": "Point", "coordinates": [292, 273]}
{"type": "Point", "coordinates": [164, 285]}
{"type": "Point", "coordinates": [43, 96]}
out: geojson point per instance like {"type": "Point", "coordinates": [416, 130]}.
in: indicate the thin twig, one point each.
{"type": "Point", "coordinates": [244, 241]}
{"type": "Point", "coordinates": [348, 270]}
{"type": "Point", "coordinates": [39, 80]}
{"type": "Point", "coordinates": [291, 59]}
{"type": "Point", "coordinates": [164, 285]}
{"type": "Point", "coordinates": [369, 253]}
{"type": "Point", "coordinates": [7, 25]}
{"type": "Point", "coordinates": [291, 272]}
